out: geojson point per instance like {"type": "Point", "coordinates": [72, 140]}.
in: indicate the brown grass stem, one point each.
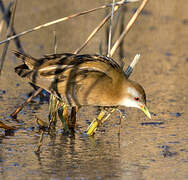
{"type": "Point", "coordinates": [6, 13]}
{"type": "Point", "coordinates": [64, 19]}
{"type": "Point", "coordinates": [110, 30]}
{"type": "Point", "coordinates": [9, 33]}
{"type": "Point", "coordinates": [128, 27]}
{"type": "Point", "coordinates": [6, 17]}
{"type": "Point", "coordinates": [95, 31]}
{"type": "Point", "coordinates": [14, 114]}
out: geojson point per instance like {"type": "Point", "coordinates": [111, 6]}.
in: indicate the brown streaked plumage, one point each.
{"type": "Point", "coordinates": [83, 80]}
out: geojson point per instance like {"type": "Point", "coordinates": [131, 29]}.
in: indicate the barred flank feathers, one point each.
{"type": "Point", "coordinates": [23, 70]}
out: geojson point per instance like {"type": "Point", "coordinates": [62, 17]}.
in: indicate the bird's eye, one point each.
{"type": "Point", "coordinates": [136, 98]}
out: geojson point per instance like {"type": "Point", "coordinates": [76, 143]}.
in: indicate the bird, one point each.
{"type": "Point", "coordinates": [83, 80]}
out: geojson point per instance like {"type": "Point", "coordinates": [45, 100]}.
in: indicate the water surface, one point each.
{"type": "Point", "coordinates": [147, 149]}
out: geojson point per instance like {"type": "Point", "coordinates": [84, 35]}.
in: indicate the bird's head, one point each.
{"type": "Point", "coordinates": [134, 96]}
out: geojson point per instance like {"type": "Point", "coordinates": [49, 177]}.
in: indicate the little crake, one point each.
{"type": "Point", "coordinates": [83, 80]}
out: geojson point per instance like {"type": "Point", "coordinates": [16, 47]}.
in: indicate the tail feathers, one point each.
{"type": "Point", "coordinates": [28, 60]}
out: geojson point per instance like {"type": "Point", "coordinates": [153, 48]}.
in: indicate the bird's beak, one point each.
{"type": "Point", "coordinates": [145, 110]}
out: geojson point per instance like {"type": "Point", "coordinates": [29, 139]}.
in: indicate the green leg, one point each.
{"type": "Point", "coordinates": [53, 106]}
{"type": "Point", "coordinates": [63, 119]}
{"type": "Point", "coordinates": [72, 118]}
{"type": "Point", "coordinates": [102, 117]}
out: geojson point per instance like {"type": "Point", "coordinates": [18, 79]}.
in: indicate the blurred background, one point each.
{"type": "Point", "coordinates": [147, 149]}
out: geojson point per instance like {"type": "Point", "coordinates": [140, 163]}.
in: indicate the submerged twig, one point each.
{"type": "Point", "coordinates": [40, 142]}
{"type": "Point", "coordinates": [9, 33]}
{"type": "Point", "coordinates": [14, 114]}
{"type": "Point", "coordinates": [122, 116]}
{"type": "Point", "coordinates": [42, 124]}
{"type": "Point", "coordinates": [128, 27]}
{"type": "Point", "coordinates": [6, 127]}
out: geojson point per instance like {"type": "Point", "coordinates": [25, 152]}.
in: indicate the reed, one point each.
{"type": "Point", "coordinates": [120, 3]}
{"type": "Point", "coordinates": [9, 33]}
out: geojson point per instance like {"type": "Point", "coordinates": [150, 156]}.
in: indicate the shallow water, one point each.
{"type": "Point", "coordinates": [147, 149]}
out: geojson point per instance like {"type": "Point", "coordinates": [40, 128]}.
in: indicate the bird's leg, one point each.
{"type": "Point", "coordinates": [72, 118]}
{"type": "Point", "coordinates": [109, 112]}
{"type": "Point", "coordinates": [53, 106]}
{"type": "Point", "coordinates": [102, 117]}
{"type": "Point", "coordinates": [63, 115]}
{"type": "Point", "coordinates": [95, 123]}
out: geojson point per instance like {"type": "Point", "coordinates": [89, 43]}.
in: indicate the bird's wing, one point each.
{"type": "Point", "coordinates": [78, 63]}
{"type": "Point", "coordinates": [68, 74]}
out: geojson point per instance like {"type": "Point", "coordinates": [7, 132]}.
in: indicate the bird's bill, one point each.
{"type": "Point", "coordinates": [146, 111]}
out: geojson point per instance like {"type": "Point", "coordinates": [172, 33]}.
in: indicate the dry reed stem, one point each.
{"type": "Point", "coordinates": [1, 25]}
{"type": "Point", "coordinates": [5, 14]}
{"type": "Point", "coordinates": [9, 33]}
{"type": "Point", "coordinates": [128, 27]}
{"type": "Point", "coordinates": [6, 18]}
{"type": "Point", "coordinates": [6, 127]}
{"type": "Point", "coordinates": [110, 30]}
{"type": "Point", "coordinates": [14, 114]}
{"type": "Point", "coordinates": [135, 61]}
{"type": "Point", "coordinates": [64, 19]}
{"type": "Point", "coordinates": [95, 31]}
{"type": "Point", "coordinates": [101, 24]}
{"type": "Point", "coordinates": [55, 42]}
{"type": "Point", "coordinates": [130, 68]}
